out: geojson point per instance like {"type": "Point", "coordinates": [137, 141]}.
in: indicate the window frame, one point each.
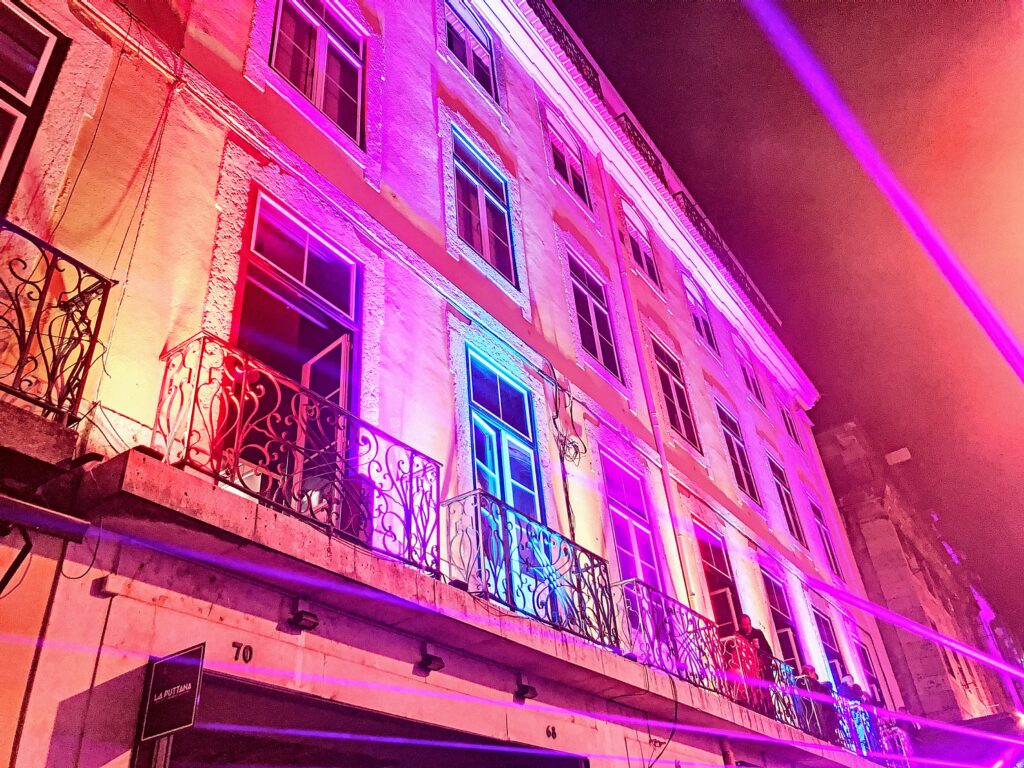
{"type": "Point", "coordinates": [324, 39]}
{"type": "Point", "coordinates": [505, 432]}
{"type": "Point", "coordinates": [790, 425]}
{"type": "Point", "coordinates": [706, 537]}
{"type": "Point", "coordinates": [29, 107]}
{"type": "Point", "coordinates": [739, 458]}
{"type": "Point", "coordinates": [571, 150]}
{"type": "Point", "coordinates": [787, 500]}
{"type": "Point", "coordinates": [483, 194]}
{"type": "Point", "coordinates": [637, 236]}
{"type": "Point", "coordinates": [447, 6]}
{"type": "Point", "coordinates": [678, 403]}
{"type": "Point", "coordinates": [594, 303]}
{"type": "Point", "coordinates": [821, 621]}
{"type": "Point", "coordinates": [788, 625]}
{"type": "Point", "coordinates": [700, 315]}
{"type": "Point", "coordinates": [825, 535]}
{"type": "Point", "coordinates": [636, 518]}
{"type": "Point", "coordinates": [749, 373]}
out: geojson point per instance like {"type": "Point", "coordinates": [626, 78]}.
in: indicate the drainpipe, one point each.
{"type": "Point", "coordinates": [645, 379]}
{"type": "Point", "coordinates": [728, 756]}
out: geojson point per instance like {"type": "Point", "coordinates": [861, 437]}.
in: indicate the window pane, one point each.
{"type": "Point", "coordinates": [484, 388]}
{"type": "Point", "coordinates": [558, 159]}
{"type": "Point", "coordinates": [281, 241]}
{"type": "Point", "coordinates": [467, 211]}
{"type": "Point", "coordinates": [456, 44]}
{"type": "Point", "coordinates": [501, 252]}
{"type": "Point", "coordinates": [588, 338]}
{"type": "Point", "coordinates": [485, 456]}
{"type": "Point", "coordinates": [515, 409]}
{"type": "Point", "coordinates": [578, 184]}
{"type": "Point", "coordinates": [341, 92]}
{"type": "Point", "coordinates": [7, 121]}
{"type": "Point", "coordinates": [296, 47]}
{"type": "Point", "coordinates": [482, 72]}
{"type": "Point", "coordinates": [21, 49]}
{"type": "Point", "coordinates": [329, 276]}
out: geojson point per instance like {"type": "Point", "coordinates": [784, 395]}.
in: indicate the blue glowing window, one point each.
{"type": "Point", "coordinates": [503, 439]}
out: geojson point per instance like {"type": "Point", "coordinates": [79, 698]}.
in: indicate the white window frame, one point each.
{"type": "Point", "coordinates": [750, 380]}
{"type": "Point", "coordinates": [825, 534]}
{"type": "Point", "coordinates": [594, 304]}
{"type": "Point", "coordinates": [474, 39]}
{"type": "Point", "coordinates": [560, 138]}
{"type": "Point", "coordinates": [786, 499]}
{"type": "Point", "coordinates": [482, 195]}
{"type": "Point", "coordinates": [324, 39]}
{"type": "Point", "coordinates": [790, 425]}
{"type": "Point", "coordinates": [28, 97]}
{"type": "Point", "coordinates": [680, 399]}
{"type": "Point", "coordinates": [737, 451]}
{"type": "Point", "coordinates": [637, 232]}
{"type": "Point", "coordinates": [701, 316]}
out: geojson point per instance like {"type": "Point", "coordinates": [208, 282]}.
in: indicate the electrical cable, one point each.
{"type": "Point", "coordinates": [95, 133]}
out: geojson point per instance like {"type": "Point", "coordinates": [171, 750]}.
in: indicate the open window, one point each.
{"type": "Point", "coordinates": [782, 619]}
{"type": "Point", "coordinates": [700, 314]}
{"type": "Point", "coordinates": [725, 599]}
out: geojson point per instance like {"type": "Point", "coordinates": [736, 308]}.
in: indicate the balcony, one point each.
{"type": "Point", "coordinates": [656, 630]}
{"type": "Point", "coordinates": [496, 552]}
{"type": "Point", "coordinates": [226, 415]}
{"type": "Point", "coordinates": [51, 307]}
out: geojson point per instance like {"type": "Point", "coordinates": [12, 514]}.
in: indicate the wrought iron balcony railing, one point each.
{"type": "Point", "coordinates": [229, 416]}
{"type": "Point", "coordinates": [51, 307]}
{"type": "Point", "coordinates": [661, 632]}
{"type": "Point", "coordinates": [499, 553]}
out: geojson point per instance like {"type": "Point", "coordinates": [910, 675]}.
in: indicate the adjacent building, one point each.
{"type": "Point", "coordinates": [908, 568]}
{"type": "Point", "coordinates": [363, 362]}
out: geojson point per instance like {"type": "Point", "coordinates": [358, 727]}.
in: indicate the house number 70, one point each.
{"type": "Point", "coordinates": [243, 652]}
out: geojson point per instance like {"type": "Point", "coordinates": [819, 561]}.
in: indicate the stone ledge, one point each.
{"type": "Point", "coordinates": [182, 514]}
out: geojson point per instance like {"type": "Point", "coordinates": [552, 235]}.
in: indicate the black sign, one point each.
{"type": "Point", "coordinates": [172, 692]}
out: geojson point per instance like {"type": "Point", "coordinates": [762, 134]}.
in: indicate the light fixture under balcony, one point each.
{"type": "Point", "coordinates": [523, 690]}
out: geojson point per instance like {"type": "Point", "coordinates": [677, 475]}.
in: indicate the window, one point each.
{"type": "Point", "coordinates": [482, 208]}
{"type": "Point", "coordinates": [640, 246]}
{"type": "Point", "coordinates": [725, 600]}
{"type": "Point", "coordinates": [31, 54]}
{"type": "Point", "coordinates": [826, 540]}
{"type": "Point", "coordinates": [592, 316]}
{"type": "Point", "coordinates": [738, 454]}
{"type": "Point", "coordinates": [871, 671]}
{"type": "Point", "coordinates": [782, 618]}
{"type": "Point", "coordinates": [317, 50]}
{"type": "Point", "coordinates": [673, 389]}
{"type": "Point", "coordinates": [836, 665]}
{"type": "Point", "coordinates": [631, 529]}
{"type": "Point", "coordinates": [787, 420]}
{"type": "Point", "coordinates": [749, 375]}
{"type": "Point", "coordinates": [297, 304]}
{"type": "Point", "coordinates": [567, 158]}
{"type": "Point", "coordinates": [786, 500]}
{"type": "Point", "coordinates": [470, 44]}
{"type": "Point", "coordinates": [504, 443]}
{"type": "Point", "coordinates": [701, 316]}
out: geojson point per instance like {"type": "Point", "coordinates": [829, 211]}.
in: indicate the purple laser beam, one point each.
{"type": "Point", "coordinates": [801, 60]}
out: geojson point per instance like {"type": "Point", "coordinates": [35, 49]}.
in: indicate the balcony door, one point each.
{"type": "Point", "coordinates": [724, 597]}
{"type": "Point", "coordinates": [294, 315]}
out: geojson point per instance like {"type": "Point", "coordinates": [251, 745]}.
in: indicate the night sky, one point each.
{"type": "Point", "coordinates": [938, 86]}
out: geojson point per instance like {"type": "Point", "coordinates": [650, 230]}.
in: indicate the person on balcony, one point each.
{"type": "Point", "coordinates": [763, 663]}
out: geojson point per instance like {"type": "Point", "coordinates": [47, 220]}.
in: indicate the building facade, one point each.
{"type": "Point", "coordinates": [371, 350]}
{"type": "Point", "coordinates": [908, 568]}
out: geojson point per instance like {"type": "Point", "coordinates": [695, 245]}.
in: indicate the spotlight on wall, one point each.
{"type": "Point", "coordinates": [523, 690]}
{"type": "Point", "coordinates": [304, 620]}
{"type": "Point", "coordinates": [429, 662]}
